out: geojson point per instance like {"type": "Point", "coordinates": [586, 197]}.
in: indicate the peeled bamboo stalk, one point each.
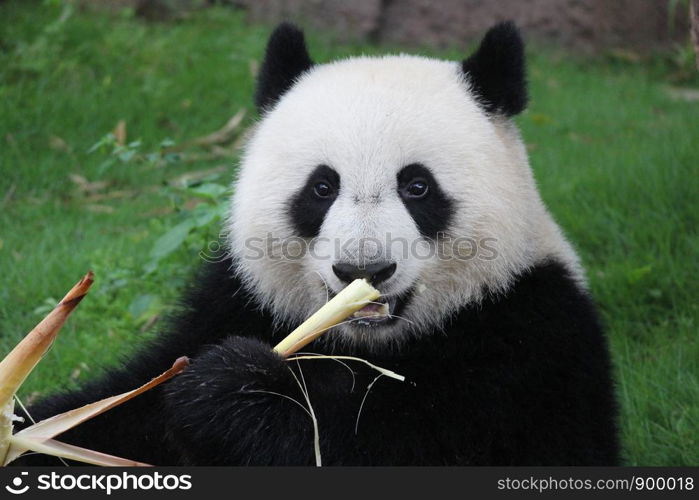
{"type": "Point", "coordinates": [355, 296]}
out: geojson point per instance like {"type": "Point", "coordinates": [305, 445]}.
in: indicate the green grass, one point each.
{"type": "Point", "coordinates": [616, 158]}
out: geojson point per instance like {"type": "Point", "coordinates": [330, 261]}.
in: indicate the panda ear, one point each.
{"type": "Point", "coordinates": [496, 71]}
{"type": "Point", "coordinates": [286, 58]}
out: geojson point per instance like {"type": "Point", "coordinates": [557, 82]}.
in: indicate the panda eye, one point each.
{"type": "Point", "coordinates": [416, 189]}
{"type": "Point", "coordinates": [323, 190]}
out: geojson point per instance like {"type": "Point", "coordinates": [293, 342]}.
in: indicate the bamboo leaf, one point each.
{"type": "Point", "coordinates": [65, 450]}
{"type": "Point", "coordinates": [50, 427]}
{"type": "Point", "coordinates": [19, 363]}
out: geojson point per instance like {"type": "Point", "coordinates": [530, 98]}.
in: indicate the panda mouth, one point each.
{"type": "Point", "coordinates": [385, 310]}
{"type": "Point", "coordinates": [377, 311]}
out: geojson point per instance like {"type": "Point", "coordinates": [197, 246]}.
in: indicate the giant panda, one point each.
{"type": "Point", "coordinates": [504, 358]}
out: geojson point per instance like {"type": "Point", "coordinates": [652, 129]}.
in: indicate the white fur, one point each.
{"type": "Point", "coordinates": [367, 118]}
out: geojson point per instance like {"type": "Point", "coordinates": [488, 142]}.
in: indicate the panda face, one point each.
{"type": "Point", "coordinates": [389, 169]}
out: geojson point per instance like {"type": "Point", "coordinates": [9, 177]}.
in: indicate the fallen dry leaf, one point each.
{"type": "Point", "coordinates": [85, 186]}
{"type": "Point", "coordinates": [99, 209]}
{"type": "Point", "coordinates": [222, 136]}
{"type": "Point", "coordinates": [58, 144]}
{"type": "Point", "coordinates": [186, 178]}
{"type": "Point", "coordinates": [120, 132]}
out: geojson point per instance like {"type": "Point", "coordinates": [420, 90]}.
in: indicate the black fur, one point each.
{"type": "Point", "coordinates": [496, 71]}
{"type": "Point", "coordinates": [521, 379]}
{"type": "Point", "coordinates": [431, 213]}
{"type": "Point", "coordinates": [286, 59]}
{"type": "Point", "coordinates": [306, 210]}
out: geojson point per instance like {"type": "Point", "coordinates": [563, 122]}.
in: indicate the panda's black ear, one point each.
{"type": "Point", "coordinates": [496, 71]}
{"type": "Point", "coordinates": [286, 58]}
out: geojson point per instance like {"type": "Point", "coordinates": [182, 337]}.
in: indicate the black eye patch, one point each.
{"type": "Point", "coordinates": [308, 207]}
{"type": "Point", "coordinates": [428, 205]}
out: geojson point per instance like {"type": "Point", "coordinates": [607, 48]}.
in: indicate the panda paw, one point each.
{"type": "Point", "coordinates": [228, 390]}
{"type": "Point", "coordinates": [237, 365]}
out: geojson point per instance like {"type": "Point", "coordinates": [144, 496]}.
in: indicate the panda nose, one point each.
{"type": "Point", "coordinates": [374, 273]}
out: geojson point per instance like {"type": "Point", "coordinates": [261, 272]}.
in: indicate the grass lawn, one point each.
{"type": "Point", "coordinates": [616, 156]}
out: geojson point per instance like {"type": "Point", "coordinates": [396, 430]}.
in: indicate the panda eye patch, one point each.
{"type": "Point", "coordinates": [430, 207]}
{"type": "Point", "coordinates": [310, 204]}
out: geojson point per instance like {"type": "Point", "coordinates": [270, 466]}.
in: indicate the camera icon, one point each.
{"type": "Point", "coordinates": [16, 487]}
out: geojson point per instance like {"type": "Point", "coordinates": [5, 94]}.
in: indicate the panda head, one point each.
{"type": "Point", "coordinates": [403, 170]}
